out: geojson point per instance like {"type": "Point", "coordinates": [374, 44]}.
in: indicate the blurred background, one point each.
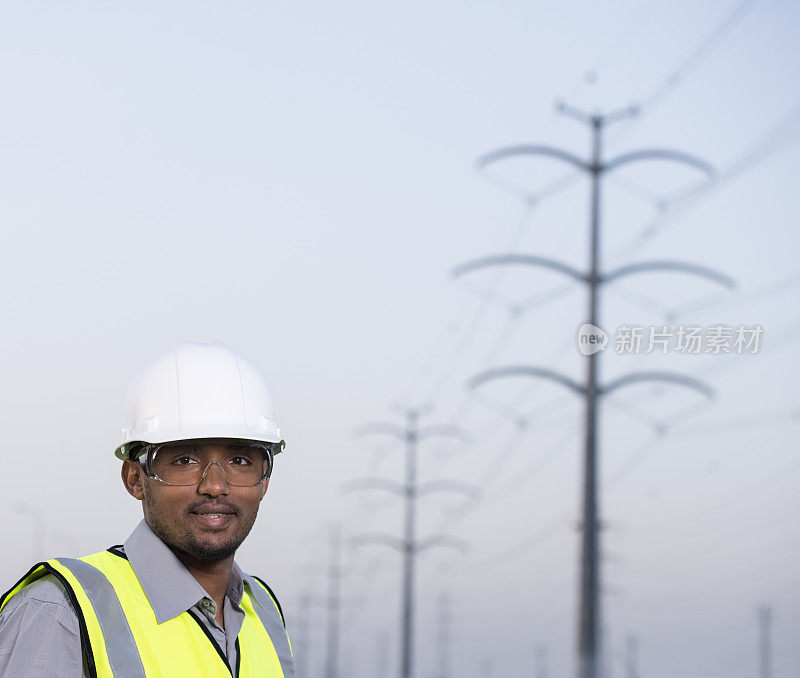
{"type": "Point", "coordinates": [300, 181]}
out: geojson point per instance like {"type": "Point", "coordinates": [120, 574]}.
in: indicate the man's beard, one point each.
{"type": "Point", "coordinates": [208, 553]}
{"type": "Point", "coordinates": [175, 535]}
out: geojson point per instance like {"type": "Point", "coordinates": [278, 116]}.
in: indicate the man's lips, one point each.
{"type": "Point", "coordinates": [213, 510]}
{"type": "Point", "coordinates": [214, 517]}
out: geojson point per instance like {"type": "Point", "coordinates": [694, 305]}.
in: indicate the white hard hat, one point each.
{"type": "Point", "coordinates": [197, 390]}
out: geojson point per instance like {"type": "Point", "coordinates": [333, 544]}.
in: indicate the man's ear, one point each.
{"type": "Point", "coordinates": [264, 485]}
{"type": "Point", "coordinates": [133, 478]}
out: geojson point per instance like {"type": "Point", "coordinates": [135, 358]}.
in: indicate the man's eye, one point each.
{"type": "Point", "coordinates": [183, 461]}
{"type": "Point", "coordinates": [240, 461]}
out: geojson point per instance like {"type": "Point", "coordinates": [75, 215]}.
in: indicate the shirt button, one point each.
{"type": "Point", "coordinates": [206, 603]}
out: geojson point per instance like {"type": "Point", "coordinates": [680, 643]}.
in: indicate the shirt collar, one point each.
{"type": "Point", "coordinates": [169, 586]}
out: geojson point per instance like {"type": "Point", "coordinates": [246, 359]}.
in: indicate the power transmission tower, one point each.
{"type": "Point", "coordinates": [596, 168]}
{"type": "Point", "coordinates": [541, 662]}
{"type": "Point", "coordinates": [444, 635]}
{"type": "Point", "coordinates": [382, 655]}
{"type": "Point", "coordinates": [347, 661]}
{"type": "Point", "coordinates": [765, 654]}
{"type": "Point", "coordinates": [632, 657]}
{"type": "Point", "coordinates": [410, 546]}
{"type": "Point", "coordinates": [302, 644]}
{"type": "Point", "coordinates": [334, 601]}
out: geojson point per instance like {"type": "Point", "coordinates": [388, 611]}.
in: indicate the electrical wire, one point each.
{"type": "Point", "coordinates": [477, 319]}
{"type": "Point", "coordinates": [691, 64]}
{"type": "Point", "coordinates": [549, 530]}
{"type": "Point", "coordinates": [743, 421]}
{"type": "Point", "coordinates": [777, 137]}
{"type": "Point", "coordinates": [716, 303]}
{"type": "Point", "coordinates": [696, 56]}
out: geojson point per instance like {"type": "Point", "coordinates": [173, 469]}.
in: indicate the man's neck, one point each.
{"type": "Point", "coordinates": [214, 577]}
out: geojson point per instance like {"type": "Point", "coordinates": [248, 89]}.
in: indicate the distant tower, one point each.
{"type": "Point", "coordinates": [302, 645]}
{"type": "Point", "coordinates": [541, 662]}
{"type": "Point", "coordinates": [382, 654]}
{"type": "Point", "coordinates": [765, 625]}
{"type": "Point", "coordinates": [334, 602]}
{"type": "Point", "coordinates": [632, 657]}
{"type": "Point", "coordinates": [444, 635]}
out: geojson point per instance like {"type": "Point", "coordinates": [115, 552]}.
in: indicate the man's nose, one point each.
{"type": "Point", "coordinates": [213, 482]}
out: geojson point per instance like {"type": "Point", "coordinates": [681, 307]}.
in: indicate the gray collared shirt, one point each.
{"type": "Point", "coordinates": [39, 635]}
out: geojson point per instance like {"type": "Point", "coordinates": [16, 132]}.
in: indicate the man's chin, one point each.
{"type": "Point", "coordinates": [211, 551]}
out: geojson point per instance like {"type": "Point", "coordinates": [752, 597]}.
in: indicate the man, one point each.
{"type": "Point", "coordinates": [197, 450]}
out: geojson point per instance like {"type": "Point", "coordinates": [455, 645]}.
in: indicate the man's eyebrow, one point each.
{"type": "Point", "coordinates": [240, 447]}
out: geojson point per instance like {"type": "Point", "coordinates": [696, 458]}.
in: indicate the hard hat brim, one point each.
{"type": "Point", "coordinates": [244, 433]}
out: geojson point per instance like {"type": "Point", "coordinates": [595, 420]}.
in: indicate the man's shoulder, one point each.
{"type": "Point", "coordinates": [39, 633]}
{"type": "Point", "coordinates": [41, 603]}
{"type": "Point", "coordinates": [46, 590]}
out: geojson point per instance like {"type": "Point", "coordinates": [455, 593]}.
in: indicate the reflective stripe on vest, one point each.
{"type": "Point", "coordinates": [121, 636]}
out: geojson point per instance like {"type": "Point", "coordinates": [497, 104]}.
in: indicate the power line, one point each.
{"type": "Point", "coordinates": [539, 462]}
{"type": "Point", "coordinates": [744, 421]}
{"type": "Point", "coordinates": [531, 198]}
{"type": "Point", "coordinates": [784, 337]}
{"type": "Point", "coordinates": [488, 297]}
{"type": "Point", "coordinates": [706, 303]}
{"type": "Point", "coordinates": [695, 57]}
{"type": "Point", "coordinates": [777, 137]}
{"type": "Point", "coordinates": [550, 529]}
{"type": "Point", "coordinates": [494, 468]}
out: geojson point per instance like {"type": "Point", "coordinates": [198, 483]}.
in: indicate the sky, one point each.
{"type": "Point", "coordinates": [299, 181]}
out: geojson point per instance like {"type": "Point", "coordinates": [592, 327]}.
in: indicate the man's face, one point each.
{"type": "Point", "coordinates": [207, 521]}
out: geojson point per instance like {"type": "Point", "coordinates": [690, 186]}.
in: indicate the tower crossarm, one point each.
{"type": "Point", "coordinates": [518, 259]}
{"type": "Point", "coordinates": [533, 149]}
{"type": "Point", "coordinates": [679, 266]}
{"type": "Point", "coordinates": [525, 371]}
{"type": "Point", "coordinates": [668, 377]}
{"type": "Point", "coordinates": [661, 154]}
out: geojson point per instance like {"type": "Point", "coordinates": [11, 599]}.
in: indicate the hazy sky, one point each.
{"type": "Point", "coordinates": [298, 180]}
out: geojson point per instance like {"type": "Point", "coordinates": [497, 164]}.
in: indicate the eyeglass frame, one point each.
{"type": "Point", "coordinates": [147, 452]}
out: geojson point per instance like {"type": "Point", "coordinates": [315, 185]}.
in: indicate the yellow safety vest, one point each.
{"type": "Point", "coordinates": [121, 637]}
